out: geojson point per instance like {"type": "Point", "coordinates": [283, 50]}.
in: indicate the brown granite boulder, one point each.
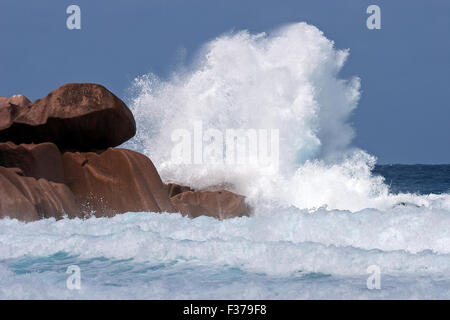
{"type": "Point", "coordinates": [115, 181]}
{"type": "Point", "coordinates": [221, 204]}
{"type": "Point", "coordinates": [35, 160]}
{"type": "Point", "coordinates": [28, 199]}
{"type": "Point", "coordinates": [76, 116]}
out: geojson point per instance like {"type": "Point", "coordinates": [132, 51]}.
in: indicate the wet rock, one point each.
{"type": "Point", "coordinates": [173, 189]}
{"type": "Point", "coordinates": [115, 181]}
{"type": "Point", "coordinates": [221, 204]}
{"type": "Point", "coordinates": [28, 199]}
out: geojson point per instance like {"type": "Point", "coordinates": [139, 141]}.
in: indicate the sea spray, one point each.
{"type": "Point", "coordinates": [286, 80]}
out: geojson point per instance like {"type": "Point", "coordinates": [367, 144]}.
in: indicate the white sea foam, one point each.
{"type": "Point", "coordinates": [288, 241]}
{"type": "Point", "coordinates": [145, 254]}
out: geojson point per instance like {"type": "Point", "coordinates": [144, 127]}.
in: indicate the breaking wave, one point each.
{"type": "Point", "coordinates": [287, 80]}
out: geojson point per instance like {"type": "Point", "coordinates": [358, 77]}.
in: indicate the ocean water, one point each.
{"type": "Point", "coordinates": [320, 221]}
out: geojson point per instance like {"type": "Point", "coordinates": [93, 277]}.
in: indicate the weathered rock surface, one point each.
{"type": "Point", "coordinates": [219, 204]}
{"type": "Point", "coordinates": [28, 199]}
{"type": "Point", "coordinates": [115, 181]}
{"type": "Point", "coordinates": [76, 116]}
{"type": "Point", "coordinates": [35, 160]}
{"type": "Point", "coordinates": [9, 107]}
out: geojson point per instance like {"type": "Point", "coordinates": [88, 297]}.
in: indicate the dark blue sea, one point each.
{"type": "Point", "coordinates": [417, 178]}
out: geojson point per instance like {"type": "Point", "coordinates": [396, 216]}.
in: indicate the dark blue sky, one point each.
{"type": "Point", "coordinates": [403, 115]}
